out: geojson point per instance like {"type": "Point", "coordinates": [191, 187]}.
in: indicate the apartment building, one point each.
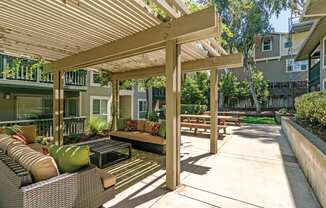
{"type": "Point", "coordinates": [26, 96]}
{"type": "Point", "coordinates": [275, 56]}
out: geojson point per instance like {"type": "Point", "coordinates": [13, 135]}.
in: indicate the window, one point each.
{"type": "Point", "coordinates": [288, 44]}
{"type": "Point", "coordinates": [296, 66]}
{"type": "Point", "coordinates": [267, 45]}
{"type": "Point", "coordinates": [71, 107]}
{"type": "Point", "coordinates": [33, 107]}
{"type": "Point", "coordinates": [100, 108]}
{"type": "Point", "coordinates": [142, 106]}
{"type": "Point", "coordinates": [324, 55]}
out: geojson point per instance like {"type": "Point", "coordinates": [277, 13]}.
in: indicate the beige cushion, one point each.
{"type": "Point", "coordinates": [42, 167]}
{"type": "Point", "coordinates": [141, 125]}
{"type": "Point", "coordinates": [108, 180]}
{"type": "Point", "coordinates": [36, 146]}
{"type": "Point", "coordinates": [139, 136]}
{"type": "Point", "coordinates": [29, 132]}
{"type": "Point", "coordinates": [6, 140]}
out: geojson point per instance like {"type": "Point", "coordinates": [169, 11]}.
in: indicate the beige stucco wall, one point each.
{"type": "Point", "coordinates": [310, 152]}
{"type": "Point", "coordinates": [297, 41]}
{"type": "Point", "coordinates": [95, 91]}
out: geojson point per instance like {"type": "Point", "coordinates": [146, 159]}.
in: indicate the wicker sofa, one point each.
{"type": "Point", "coordinates": [87, 188]}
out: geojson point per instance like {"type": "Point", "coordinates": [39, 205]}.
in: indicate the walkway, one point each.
{"type": "Point", "coordinates": [255, 168]}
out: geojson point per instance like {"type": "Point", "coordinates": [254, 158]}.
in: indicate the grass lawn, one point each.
{"type": "Point", "coordinates": [258, 120]}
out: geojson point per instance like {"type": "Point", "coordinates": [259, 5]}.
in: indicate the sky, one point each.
{"type": "Point", "coordinates": [281, 24]}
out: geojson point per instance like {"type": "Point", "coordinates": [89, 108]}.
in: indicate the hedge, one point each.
{"type": "Point", "coordinates": [193, 109]}
{"type": "Point", "coordinates": [311, 107]}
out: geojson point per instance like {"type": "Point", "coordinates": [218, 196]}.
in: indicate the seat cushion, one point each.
{"type": "Point", "coordinates": [42, 167]}
{"type": "Point", "coordinates": [36, 146]}
{"type": "Point", "coordinates": [6, 140]}
{"type": "Point", "coordinates": [141, 125]}
{"type": "Point", "coordinates": [108, 180]}
{"type": "Point", "coordinates": [70, 158]}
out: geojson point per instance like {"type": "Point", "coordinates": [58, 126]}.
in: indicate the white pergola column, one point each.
{"type": "Point", "coordinates": [58, 107]}
{"type": "Point", "coordinates": [173, 93]}
{"type": "Point", "coordinates": [213, 110]}
{"type": "Point", "coordinates": [115, 104]}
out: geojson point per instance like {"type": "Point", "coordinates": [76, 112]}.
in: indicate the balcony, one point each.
{"type": "Point", "coordinates": [287, 88]}
{"type": "Point", "coordinates": [72, 125]}
{"type": "Point", "coordinates": [37, 77]}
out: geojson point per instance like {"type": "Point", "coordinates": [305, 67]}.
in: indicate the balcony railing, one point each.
{"type": "Point", "coordinates": [72, 125]}
{"type": "Point", "coordinates": [73, 78]}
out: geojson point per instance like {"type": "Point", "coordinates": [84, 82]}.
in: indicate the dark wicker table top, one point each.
{"type": "Point", "coordinates": [106, 146]}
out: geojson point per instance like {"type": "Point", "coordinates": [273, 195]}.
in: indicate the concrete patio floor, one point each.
{"type": "Point", "coordinates": [255, 168]}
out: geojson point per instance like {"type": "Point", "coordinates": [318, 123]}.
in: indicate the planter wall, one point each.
{"type": "Point", "coordinates": [311, 154]}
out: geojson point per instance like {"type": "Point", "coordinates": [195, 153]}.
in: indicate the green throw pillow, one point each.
{"type": "Point", "coordinates": [121, 124]}
{"type": "Point", "coordinates": [70, 158]}
{"type": "Point", "coordinates": [162, 130]}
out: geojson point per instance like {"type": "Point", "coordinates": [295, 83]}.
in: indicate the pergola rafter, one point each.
{"type": "Point", "coordinates": [183, 29]}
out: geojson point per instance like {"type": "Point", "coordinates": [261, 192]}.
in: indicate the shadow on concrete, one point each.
{"type": "Point", "coordinates": [133, 200]}
{"type": "Point", "coordinates": [137, 198]}
{"type": "Point", "coordinates": [188, 165]}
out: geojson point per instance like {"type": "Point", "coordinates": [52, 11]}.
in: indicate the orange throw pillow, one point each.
{"type": "Point", "coordinates": [132, 125]}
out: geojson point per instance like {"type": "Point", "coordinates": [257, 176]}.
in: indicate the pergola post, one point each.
{"type": "Point", "coordinates": [115, 104]}
{"type": "Point", "coordinates": [58, 106]}
{"type": "Point", "coordinates": [173, 89]}
{"type": "Point", "coordinates": [213, 110]}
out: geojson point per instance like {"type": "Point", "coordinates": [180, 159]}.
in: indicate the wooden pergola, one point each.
{"type": "Point", "coordinates": [127, 39]}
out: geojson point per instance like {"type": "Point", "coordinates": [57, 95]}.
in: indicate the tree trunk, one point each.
{"type": "Point", "coordinates": [248, 69]}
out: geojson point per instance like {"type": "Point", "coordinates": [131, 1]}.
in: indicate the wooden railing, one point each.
{"type": "Point", "coordinates": [72, 125]}
{"type": "Point", "coordinates": [73, 78]}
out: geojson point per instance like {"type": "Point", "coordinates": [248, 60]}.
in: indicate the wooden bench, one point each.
{"type": "Point", "coordinates": [204, 126]}
{"type": "Point", "coordinates": [141, 140]}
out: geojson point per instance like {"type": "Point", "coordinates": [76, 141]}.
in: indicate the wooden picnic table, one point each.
{"type": "Point", "coordinates": [202, 121]}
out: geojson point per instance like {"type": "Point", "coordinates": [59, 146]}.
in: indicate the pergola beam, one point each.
{"type": "Point", "coordinates": [173, 9]}
{"type": "Point", "coordinates": [219, 62]}
{"type": "Point", "coordinates": [185, 29]}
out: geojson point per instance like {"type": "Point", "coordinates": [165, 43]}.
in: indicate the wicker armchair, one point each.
{"type": "Point", "coordinates": [83, 189]}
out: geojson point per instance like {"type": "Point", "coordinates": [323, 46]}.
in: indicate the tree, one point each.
{"type": "Point", "coordinates": [260, 86]}
{"type": "Point", "coordinates": [152, 82]}
{"type": "Point", "coordinates": [243, 21]}
{"type": "Point", "coordinates": [191, 92]}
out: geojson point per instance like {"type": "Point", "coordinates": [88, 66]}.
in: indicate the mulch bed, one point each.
{"type": "Point", "coordinates": [315, 129]}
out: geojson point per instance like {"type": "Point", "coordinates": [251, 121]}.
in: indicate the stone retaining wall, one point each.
{"type": "Point", "coordinates": [311, 154]}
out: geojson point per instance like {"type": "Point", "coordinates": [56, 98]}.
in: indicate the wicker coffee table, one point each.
{"type": "Point", "coordinates": [108, 152]}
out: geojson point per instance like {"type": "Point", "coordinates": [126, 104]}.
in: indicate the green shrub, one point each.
{"type": "Point", "coordinates": [311, 107]}
{"type": "Point", "coordinates": [97, 125]}
{"type": "Point", "coordinates": [193, 109]}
